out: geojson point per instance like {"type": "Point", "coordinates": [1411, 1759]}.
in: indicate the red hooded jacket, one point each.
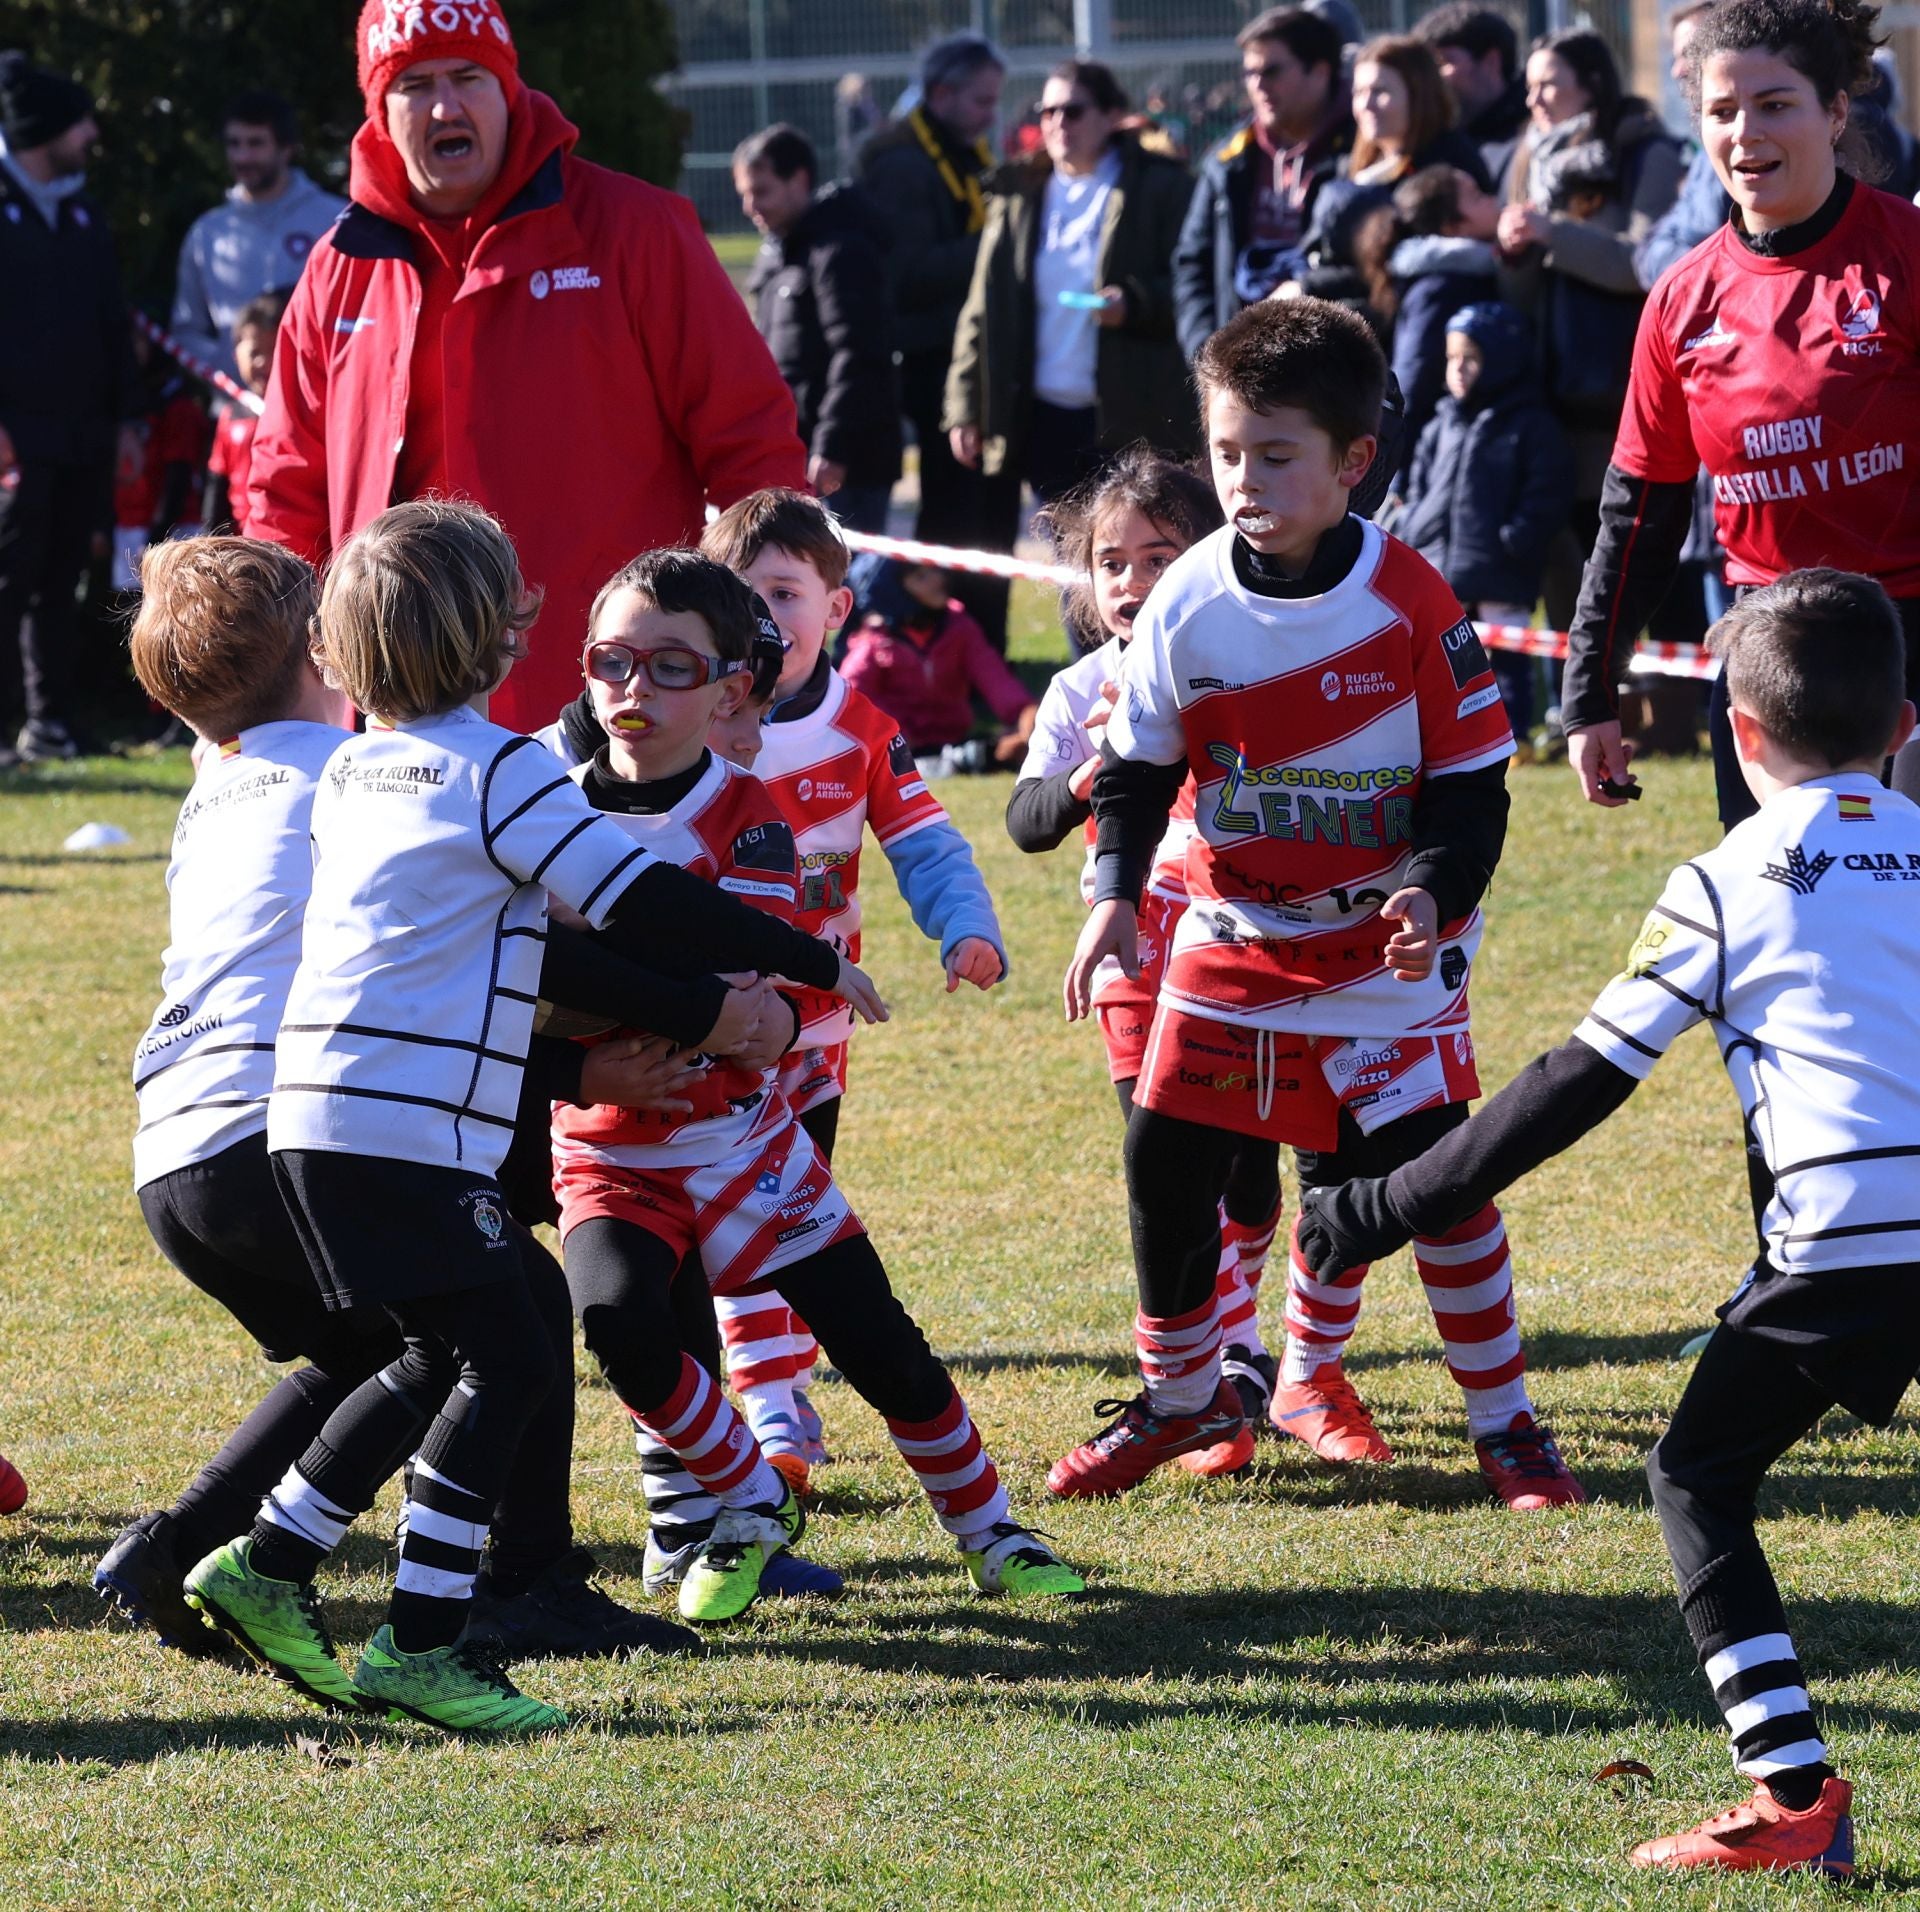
{"type": "Point", "coordinates": [599, 379]}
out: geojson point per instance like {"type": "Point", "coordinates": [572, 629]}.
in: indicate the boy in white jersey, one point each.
{"type": "Point", "coordinates": [1793, 939]}
{"type": "Point", "coordinates": [1348, 749]}
{"type": "Point", "coordinates": [838, 767]}
{"type": "Point", "coordinates": [221, 640]}
{"type": "Point", "coordinates": [437, 838]}
{"type": "Point", "coordinates": [734, 1185]}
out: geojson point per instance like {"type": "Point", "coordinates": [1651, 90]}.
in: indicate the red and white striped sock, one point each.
{"type": "Point", "coordinates": [955, 1470]}
{"type": "Point", "coordinates": [767, 1348]}
{"type": "Point", "coordinates": [1180, 1358]}
{"type": "Point", "coordinates": [1239, 1315]}
{"type": "Point", "coordinates": [1468, 1276]}
{"type": "Point", "coordinates": [1251, 1243]}
{"type": "Point", "coordinates": [1320, 1315]}
{"type": "Point", "coordinates": [714, 1445]}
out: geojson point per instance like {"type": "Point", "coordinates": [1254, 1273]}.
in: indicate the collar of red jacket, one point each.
{"type": "Point", "coordinates": [536, 130]}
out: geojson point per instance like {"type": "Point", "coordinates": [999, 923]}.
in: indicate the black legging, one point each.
{"type": "Point", "coordinates": [1177, 1170]}
{"type": "Point", "coordinates": [1251, 1192]}
{"type": "Point", "coordinates": [624, 1279]}
{"type": "Point", "coordinates": [470, 1378]}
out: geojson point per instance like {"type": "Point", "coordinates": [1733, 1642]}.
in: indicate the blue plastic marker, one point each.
{"type": "Point", "coordinates": [1083, 301]}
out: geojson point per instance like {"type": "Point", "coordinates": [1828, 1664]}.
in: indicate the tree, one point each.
{"type": "Point", "coordinates": [162, 70]}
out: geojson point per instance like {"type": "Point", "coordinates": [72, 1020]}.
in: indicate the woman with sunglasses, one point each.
{"type": "Point", "coordinates": [1065, 349]}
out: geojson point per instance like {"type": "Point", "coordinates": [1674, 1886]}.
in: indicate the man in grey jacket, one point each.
{"type": "Point", "coordinates": [258, 238]}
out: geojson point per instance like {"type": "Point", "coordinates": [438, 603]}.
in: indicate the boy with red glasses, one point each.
{"type": "Point", "coordinates": [733, 1182]}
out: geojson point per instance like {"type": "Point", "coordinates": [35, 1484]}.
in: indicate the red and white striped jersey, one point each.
{"type": "Point", "coordinates": [728, 830]}
{"type": "Point", "coordinates": [1310, 725]}
{"type": "Point", "coordinates": [840, 769]}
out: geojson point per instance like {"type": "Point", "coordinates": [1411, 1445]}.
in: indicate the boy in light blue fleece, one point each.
{"type": "Point", "coordinates": [837, 766]}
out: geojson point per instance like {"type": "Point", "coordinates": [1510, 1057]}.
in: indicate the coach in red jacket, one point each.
{"type": "Point", "coordinates": [497, 320]}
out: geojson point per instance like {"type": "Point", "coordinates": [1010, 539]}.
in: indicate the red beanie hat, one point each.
{"type": "Point", "coordinates": [396, 34]}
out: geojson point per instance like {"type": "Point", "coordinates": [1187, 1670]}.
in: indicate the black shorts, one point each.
{"type": "Point", "coordinates": [223, 1224]}
{"type": "Point", "coordinates": [1853, 1331]}
{"type": "Point", "coordinates": [381, 1232]}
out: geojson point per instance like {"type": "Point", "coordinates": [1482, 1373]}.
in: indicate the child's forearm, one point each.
{"type": "Point", "coordinates": [671, 921]}
{"type": "Point", "coordinates": [1542, 1112]}
{"type": "Point", "coordinates": [580, 972]}
{"type": "Point", "coordinates": [1131, 805]}
{"type": "Point", "coordinates": [1043, 812]}
{"type": "Point", "coordinates": [1459, 830]}
{"type": "Point", "coordinates": [943, 887]}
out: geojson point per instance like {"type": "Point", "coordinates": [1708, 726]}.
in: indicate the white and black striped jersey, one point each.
{"type": "Point", "coordinates": [1796, 939]}
{"type": "Point", "coordinates": [236, 898]}
{"type": "Point", "coordinates": [436, 845]}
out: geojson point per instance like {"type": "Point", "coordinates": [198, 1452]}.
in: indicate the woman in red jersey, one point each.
{"type": "Point", "coordinates": [1783, 354]}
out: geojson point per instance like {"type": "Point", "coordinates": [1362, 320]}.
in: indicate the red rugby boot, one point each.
{"type": "Point", "coordinates": [1138, 1440]}
{"type": "Point", "coordinates": [1325, 1412]}
{"type": "Point", "coordinates": [1761, 1835]}
{"type": "Point", "coordinates": [13, 1487]}
{"type": "Point", "coordinates": [1523, 1466]}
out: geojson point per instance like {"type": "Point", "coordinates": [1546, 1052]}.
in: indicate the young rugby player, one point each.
{"type": "Point", "coordinates": [437, 838]}
{"type": "Point", "coordinates": [1793, 939]}
{"type": "Point", "coordinates": [838, 767]}
{"type": "Point", "coordinates": [736, 1186]}
{"type": "Point", "coordinates": [221, 641]}
{"type": "Point", "coordinates": [1348, 750]}
{"type": "Point", "coordinates": [1121, 534]}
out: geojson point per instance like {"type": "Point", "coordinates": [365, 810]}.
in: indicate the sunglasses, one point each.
{"type": "Point", "coordinates": [668, 666]}
{"type": "Point", "coordinates": [1070, 111]}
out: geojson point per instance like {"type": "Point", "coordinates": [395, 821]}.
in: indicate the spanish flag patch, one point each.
{"type": "Point", "coordinates": [1856, 809]}
{"type": "Point", "coordinates": [229, 747]}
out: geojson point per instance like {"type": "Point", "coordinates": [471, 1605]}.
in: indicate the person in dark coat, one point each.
{"type": "Point", "coordinates": [1423, 257]}
{"type": "Point", "coordinates": [1255, 195]}
{"type": "Point", "coordinates": [70, 393]}
{"type": "Point", "coordinates": [1492, 485]}
{"type": "Point", "coordinates": [820, 300]}
{"type": "Point", "coordinates": [1479, 58]}
{"type": "Point", "coordinates": [1065, 350]}
{"type": "Point", "coordinates": [925, 172]}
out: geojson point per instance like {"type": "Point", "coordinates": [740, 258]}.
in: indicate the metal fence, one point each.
{"type": "Point", "coordinates": [747, 63]}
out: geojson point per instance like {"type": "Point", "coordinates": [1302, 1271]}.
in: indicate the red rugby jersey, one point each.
{"type": "Point", "coordinates": [728, 830]}
{"type": "Point", "coordinates": [1796, 383]}
{"type": "Point", "coordinates": [1310, 725]}
{"type": "Point", "coordinates": [836, 772]}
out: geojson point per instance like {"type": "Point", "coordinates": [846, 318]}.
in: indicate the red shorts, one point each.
{"type": "Point", "coordinates": [1292, 1088]}
{"type": "Point", "coordinates": [808, 1077]}
{"type": "Point", "coordinates": [770, 1204]}
{"type": "Point", "coordinates": [1124, 1007]}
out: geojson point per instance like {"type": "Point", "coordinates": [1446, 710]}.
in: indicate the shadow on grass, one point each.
{"type": "Point", "coordinates": [1446, 1659]}
{"type": "Point", "coordinates": [61, 860]}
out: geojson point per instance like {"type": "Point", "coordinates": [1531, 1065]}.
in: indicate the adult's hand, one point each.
{"type": "Point", "coordinates": [1600, 755]}
{"type": "Point", "coordinates": [1520, 227]}
{"type": "Point", "coordinates": [1114, 312]}
{"type": "Point", "coordinates": [964, 440]}
{"type": "Point", "coordinates": [825, 476]}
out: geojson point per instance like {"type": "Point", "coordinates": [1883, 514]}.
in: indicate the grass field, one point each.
{"type": "Point", "coordinates": [1300, 1688]}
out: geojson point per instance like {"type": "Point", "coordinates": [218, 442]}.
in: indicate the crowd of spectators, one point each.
{"type": "Point", "coordinates": [1498, 215]}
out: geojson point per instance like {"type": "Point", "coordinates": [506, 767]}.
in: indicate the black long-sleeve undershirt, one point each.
{"type": "Point", "coordinates": [1636, 555]}
{"type": "Point", "coordinates": [1043, 812]}
{"type": "Point", "coordinates": [580, 972]}
{"type": "Point", "coordinates": [1555, 1100]}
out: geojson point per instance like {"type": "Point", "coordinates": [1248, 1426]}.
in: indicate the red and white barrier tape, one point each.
{"type": "Point", "coordinates": [210, 374]}
{"type": "Point", "coordinates": [1652, 658]}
